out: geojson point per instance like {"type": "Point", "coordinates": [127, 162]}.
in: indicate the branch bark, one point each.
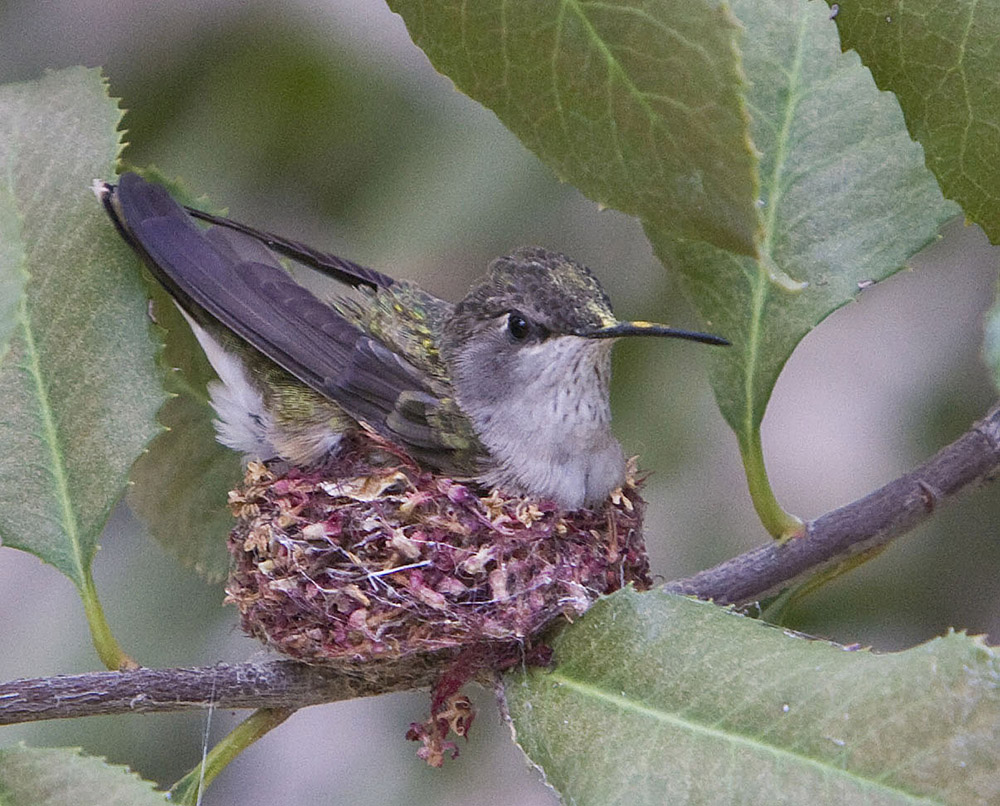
{"type": "Point", "coordinates": [270, 684]}
{"type": "Point", "coordinates": [838, 538]}
{"type": "Point", "coordinates": [862, 527]}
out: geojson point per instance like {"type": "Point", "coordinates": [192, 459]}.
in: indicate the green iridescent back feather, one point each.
{"type": "Point", "coordinates": [410, 322]}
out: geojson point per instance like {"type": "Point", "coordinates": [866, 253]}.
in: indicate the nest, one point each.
{"type": "Point", "coordinates": [369, 559]}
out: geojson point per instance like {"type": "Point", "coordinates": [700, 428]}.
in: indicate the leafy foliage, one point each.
{"type": "Point", "coordinates": [991, 340]}
{"type": "Point", "coordinates": [638, 104]}
{"type": "Point", "coordinates": [78, 388]}
{"type": "Point", "coordinates": [57, 776]}
{"type": "Point", "coordinates": [181, 482]}
{"type": "Point", "coordinates": [660, 699]}
{"type": "Point", "coordinates": [846, 202]}
{"type": "Point", "coordinates": [941, 61]}
{"type": "Point", "coordinates": [12, 274]}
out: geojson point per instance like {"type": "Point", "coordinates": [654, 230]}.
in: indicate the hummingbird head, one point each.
{"type": "Point", "coordinates": [529, 353]}
{"type": "Point", "coordinates": [530, 296]}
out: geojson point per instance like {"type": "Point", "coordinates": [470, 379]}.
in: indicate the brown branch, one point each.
{"type": "Point", "coordinates": [861, 527]}
{"type": "Point", "coordinates": [839, 537]}
{"type": "Point", "coordinates": [271, 684]}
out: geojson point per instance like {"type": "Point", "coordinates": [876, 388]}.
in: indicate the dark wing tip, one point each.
{"type": "Point", "coordinates": [252, 296]}
{"type": "Point", "coordinates": [338, 268]}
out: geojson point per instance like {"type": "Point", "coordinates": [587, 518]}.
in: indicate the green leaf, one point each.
{"type": "Point", "coordinates": [846, 201]}
{"type": "Point", "coordinates": [59, 776]}
{"type": "Point", "coordinates": [188, 790]}
{"type": "Point", "coordinates": [659, 699]}
{"type": "Point", "coordinates": [942, 62]}
{"type": "Point", "coordinates": [12, 274]}
{"type": "Point", "coordinates": [181, 484]}
{"type": "Point", "coordinates": [79, 388]}
{"type": "Point", "coordinates": [991, 340]}
{"type": "Point", "coordinates": [636, 103]}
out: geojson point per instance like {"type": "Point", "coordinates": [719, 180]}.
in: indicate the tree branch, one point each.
{"type": "Point", "coordinates": [270, 684]}
{"type": "Point", "coordinates": [861, 527]}
{"type": "Point", "coordinates": [835, 539]}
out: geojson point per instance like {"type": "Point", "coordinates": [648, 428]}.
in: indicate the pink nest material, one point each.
{"type": "Point", "coordinates": [368, 558]}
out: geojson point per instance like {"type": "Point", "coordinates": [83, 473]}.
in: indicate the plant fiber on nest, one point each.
{"type": "Point", "coordinates": [368, 558]}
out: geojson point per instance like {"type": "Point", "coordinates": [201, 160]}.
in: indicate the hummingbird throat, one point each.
{"type": "Point", "coordinates": [546, 420]}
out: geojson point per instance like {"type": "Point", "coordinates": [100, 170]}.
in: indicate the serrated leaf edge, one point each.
{"type": "Point", "coordinates": [622, 702]}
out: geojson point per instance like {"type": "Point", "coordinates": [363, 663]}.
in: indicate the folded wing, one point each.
{"type": "Point", "coordinates": [241, 286]}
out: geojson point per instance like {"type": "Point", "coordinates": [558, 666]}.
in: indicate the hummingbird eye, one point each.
{"type": "Point", "coordinates": [518, 326]}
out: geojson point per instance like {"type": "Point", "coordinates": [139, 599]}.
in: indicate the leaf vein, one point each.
{"type": "Point", "coordinates": [50, 438]}
{"type": "Point", "coordinates": [733, 739]}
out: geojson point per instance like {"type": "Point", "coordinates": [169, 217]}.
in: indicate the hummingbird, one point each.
{"type": "Point", "coordinates": [509, 387]}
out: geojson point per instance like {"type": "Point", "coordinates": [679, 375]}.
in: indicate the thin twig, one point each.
{"type": "Point", "coordinates": [863, 526]}
{"type": "Point", "coordinates": [836, 538]}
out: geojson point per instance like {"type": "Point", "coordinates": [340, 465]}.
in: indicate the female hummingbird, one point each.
{"type": "Point", "coordinates": [508, 387]}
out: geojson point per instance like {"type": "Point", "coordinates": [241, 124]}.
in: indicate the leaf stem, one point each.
{"type": "Point", "coordinates": [777, 612]}
{"type": "Point", "coordinates": [107, 646]}
{"type": "Point", "coordinates": [188, 789]}
{"type": "Point", "coordinates": [780, 524]}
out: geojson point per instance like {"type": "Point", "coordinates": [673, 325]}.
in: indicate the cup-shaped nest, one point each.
{"type": "Point", "coordinates": [370, 560]}
{"type": "Point", "coordinates": [364, 558]}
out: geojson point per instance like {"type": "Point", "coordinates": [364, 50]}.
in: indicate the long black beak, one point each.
{"type": "Point", "coordinates": [620, 329]}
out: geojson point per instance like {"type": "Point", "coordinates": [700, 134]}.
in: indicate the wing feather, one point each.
{"type": "Point", "coordinates": [235, 281]}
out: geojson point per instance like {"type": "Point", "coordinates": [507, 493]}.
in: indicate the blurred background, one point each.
{"type": "Point", "coordinates": [322, 121]}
